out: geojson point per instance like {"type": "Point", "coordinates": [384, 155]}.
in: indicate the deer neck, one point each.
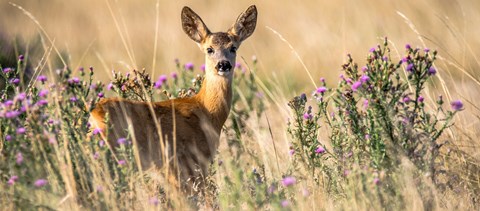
{"type": "Point", "coordinates": [216, 97]}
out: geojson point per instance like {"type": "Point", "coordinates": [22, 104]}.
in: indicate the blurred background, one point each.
{"type": "Point", "coordinates": [121, 34]}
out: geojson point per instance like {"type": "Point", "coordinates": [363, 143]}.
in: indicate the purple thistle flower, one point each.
{"type": "Point", "coordinates": [457, 105]}
{"type": "Point", "coordinates": [93, 86]}
{"type": "Point", "coordinates": [101, 143]}
{"type": "Point", "coordinates": [81, 69]}
{"type": "Point", "coordinates": [426, 50]}
{"type": "Point", "coordinates": [238, 65]}
{"type": "Point", "coordinates": [406, 99]}
{"type": "Point", "coordinates": [365, 104]}
{"type": "Point", "coordinates": [8, 103]}
{"type": "Point", "coordinates": [7, 70]}
{"type": "Point", "coordinates": [12, 180]}
{"type": "Point", "coordinates": [410, 67]}
{"type": "Point", "coordinates": [189, 66]}
{"type": "Point", "coordinates": [322, 79]}
{"type": "Point", "coordinates": [321, 89]}
{"type": "Point", "coordinates": [376, 181]}
{"type": "Point", "coordinates": [96, 155]}
{"type": "Point", "coordinates": [42, 78]}
{"type": "Point", "coordinates": [203, 67]}
{"type": "Point", "coordinates": [43, 93]}
{"type": "Point", "coordinates": [420, 99]}
{"type": "Point", "coordinates": [163, 78]}
{"type": "Point", "coordinates": [372, 50]}
{"type": "Point", "coordinates": [15, 81]}
{"type": "Point", "coordinates": [154, 201]}
{"type": "Point", "coordinates": [320, 150]}
{"type": "Point", "coordinates": [21, 130]}
{"type": "Point", "coordinates": [367, 136]}
{"type": "Point", "coordinates": [73, 99]}
{"type": "Point", "coordinates": [285, 203]}
{"type": "Point", "coordinates": [307, 116]}
{"type": "Point", "coordinates": [404, 60]}
{"type": "Point", "coordinates": [364, 78]}
{"type": "Point", "coordinates": [385, 58]}
{"type": "Point", "coordinates": [40, 183]}
{"type": "Point", "coordinates": [91, 69]}
{"type": "Point", "coordinates": [364, 68]}
{"type": "Point", "coordinates": [157, 85]}
{"type": "Point", "coordinates": [407, 46]}
{"type": "Point", "coordinates": [122, 162]}
{"type": "Point", "coordinates": [21, 57]}
{"type": "Point", "coordinates": [110, 86]}
{"type": "Point", "coordinates": [42, 102]}
{"type": "Point", "coordinates": [122, 141]}
{"type": "Point", "coordinates": [289, 181]}
{"type": "Point", "coordinates": [19, 158]}
{"type": "Point", "coordinates": [356, 85]}
{"type": "Point", "coordinates": [74, 80]}
{"type": "Point", "coordinates": [174, 75]}
{"type": "Point", "coordinates": [96, 131]}
{"type": "Point", "coordinates": [12, 114]}
{"type": "Point", "coordinates": [8, 138]}
{"type": "Point", "coordinates": [100, 95]}
{"type": "Point", "coordinates": [291, 152]}
{"type": "Point", "coordinates": [432, 71]}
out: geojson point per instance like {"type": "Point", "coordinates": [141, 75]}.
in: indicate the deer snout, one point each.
{"type": "Point", "coordinates": [223, 66]}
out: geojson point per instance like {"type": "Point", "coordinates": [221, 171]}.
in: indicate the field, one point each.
{"type": "Point", "coordinates": [352, 105]}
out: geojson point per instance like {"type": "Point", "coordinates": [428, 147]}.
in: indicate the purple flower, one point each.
{"type": "Point", "coordinates": [407, 46]}
{"type": "Point", "coordinates": [8, 138]}
{"type": "Point", "coordinates": [376, 181]}
{"type": "Point", "coordinates": [158, 84]}
{"type": "Point", "coordinates": [372, 50]}
{"type": "Point", "coordinates": [91, 69]}
{"type": "Point", "coordinates": [122, 162]}
{"type": "Point", "coordinates": [15, 81]}
{"type": "Point", "coordinates": [43, 93]}
{"type": "Point", "coordinates": [285, 203]}
{"type": "Point", "coordinates": [289, 181]}
{"type": "Point", "coordinates": [21, 57]}
{"type": "Point", "coordinates": [12, 180]}
{"type": "Point", "coordinates": [307, 116]}
{"type": "Point", "coordinates": [356, 85]}
{"type": "Point", "coordinates": [322, 79]}
{"type": "Point", "coordinates": [457, 105]}
{"type": "Point", "coordinates": [162, 78]}
{"type": "Point", "coordinates": [96, 155]}
{"type": "Point", "coordinates": [364, 78]}
{"type": "Point", "coordinates": [404, 59]}
{"type": "Point", "coordinates": [110, 86]}
{"type": "Point", "coordinates": [96, 131]}
{"type": "Point", "coordinates": [320, 150]}
{"type": "Point", "coordinates": [74, 80]}
{"type": "Point", "coordinates": [73, 99]}
{"type": "Point", "coordinates": [420, 99]}
{"type": "Point", "coordinates": [238, 65]}
{"type": "Point", "coordinates": [42, 102]}
{"type": "Point", "coordinates": [21, 96]}
{"type": "Point", "coordinates": [202, 67]}
{"type": "Point", "coordinates": [291, 152]}
{"type": "Point", "coordinates": [100, 94]}
{"type": "Point", "coordinates": [81, 69]}
{"type": "Point", "coordinates": [432, 71]}
{"type": "Point", "coordinates": [321, 89]}
{"type": "Point", "coordinates": [154, 201]}
{"type": "Point", "coordinates": [365, 104]}
{"type": "Point", "coordinates": [12, 114]}
{"type": "Point", "coordinates": [367, 136]}
{"type": "Point", "coordinates": [101, 143]}
{"type": "Point", "coordinates": [122, 141]}
{"type": "Point", "coordinates": [189, 66]}
{"type": "Point", "coordinates": [19, 158]}
{"type": "Point", "coordinates": [410, 67]}
{"type": "Point", "coordinates": [385, 58]}
{"type": "Point", "coordinates": [406, 99]}
{"type": "Point", "coordinates": [364, 68]}
{"type": "Point", "coordinates": [272, 188]}
{"type": "Point", "coordinates": [40, 183]}
{"type": "Point", "coordinates": [426, 50]}
{"type": "Point", "coordinates": [173, 75]}
{"type": "Point", "coordinates": [42, 78]}
{"type": "Point", "coordinates": [21, 130]}
{"type": "Point", "coordinates": [7, 70]}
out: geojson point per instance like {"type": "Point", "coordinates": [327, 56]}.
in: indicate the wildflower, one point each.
{"type": "Point", "coordinates": [74, 80]}
{"type": "Point", "coordinates": [40, 183]}
{"type": "Point", "coordinates": [173, 75]}
{"type": "Point", "coordinates": [122, 162]}
{"type": "Point", "coordinates": [42, 78]}
{"type": "Point", "coordinates": [19, 158]}
{"type": "Point", "coordinates": [364, 78]}
{"type": "Point", "coordinates": [157, 85]}
{"type": "Point", "coordinates": [307, 116]}
{"type": "Point", "coordinates": [73, 99]}
{"type": "Point", "coordinates": [122, 141]}
{"type": "Point", "coordinates": [162, 78]}
{"type": "Point", "coordinates": [101, 143]}
{"type": "Point", "coordinates": [96, 155]}
{"type": "Point", "coordinates": [110, 86]}
{"type": "Point", "coordinates": [457, 105]}
{"type": "Point", "coordinates": [96, 131]}
{"type": "Point", "coordinates": [12, 114]}
{"type": "Point", "coordinates": [81, 69]}
{"type": "Point", "coordinates": [320, 150]}
{"type": "Point", "coordinates": [8, 138]}
{"type": "Point", "coordinates": [364, 68]}
{"type": "Point", "coordinates": [7, 70]}
{"type": "Point", "coordinates": [15, 81]}
{"type": "Point", "coordinates": [346, 172]}
{"type": "Point", "coordinates": [42, 102]}
{"type": "Point", "coordinates": [404, 59]}
{"type": "Point", "coordinates": [410, 67]}
{"type": "Point", "coordinates": [322, 79]}
{"type": "Point", "coordinates": [291, 152]}
{"type": "Point", "coordinates": [432, 71]}
{"type": "Point", "coordinates": [285, 203]}
{"type": "Point", "coordinates": [376, 181]}
{"type": "Point", "coordinates": [93, 86]}
{"type": "Point", "coordinates": [21, 57]}
{"type": "Point", "coordinates": [426, 50]}
{"type": "Point", "coordinates": [372, 50]}
{"type": "Point", "coordinates": [100, 95]}
{"type": "Point", "coordinates": [21, 130]}
{"type": "Point", "coordinates": [420, 99]}
{"type": "Point", "coordinates": [289, 181]}
{"type": "Point", "coordinates": [220, 162]}
{"type": "Point", "coordinates": [12, 180]}
{"type": "Point", "coordinates": [43, 93]}
{"type": "Point", "coordinates": [91, 69]}
{"type": "Point", "coordinates": [385, 58]}
{"type": "Point", "coordinates": [189, 66]}
{"type": "Point", "coordinates": [367, 136]}
{"type": "Point", "coordinates": [321, 89]}
{"type": "Point", "coordinates": [407, 46]}
{"type": "Point", "coordinates": [154, 201]}
{"type": "Point", "coordinates": [303, 97]}
{"type": "Point", "coordinates": [365, 104]}
{"type": "Point", "coordinates": [356, 85]}
{"type": "Point", "coordinates": [406, 99]}
{"type": "Point", "coordinates": [202, 67]}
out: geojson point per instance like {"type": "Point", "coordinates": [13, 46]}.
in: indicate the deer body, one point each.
{"type": "Point", "coordinates": [182, 134]}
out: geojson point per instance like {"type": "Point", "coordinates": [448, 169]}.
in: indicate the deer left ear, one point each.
{"type": "Point", "coordinates": [245, 24]}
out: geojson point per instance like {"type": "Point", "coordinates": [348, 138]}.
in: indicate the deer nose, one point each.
{"type": "Point", "coordinates": [224, 66]}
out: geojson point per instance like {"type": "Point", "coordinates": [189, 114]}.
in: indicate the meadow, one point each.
{"type": "Point", "coordinates": [352, 105]}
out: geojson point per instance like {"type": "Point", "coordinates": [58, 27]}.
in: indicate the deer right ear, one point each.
{"type": "Point", "coordinates": [193, 25]}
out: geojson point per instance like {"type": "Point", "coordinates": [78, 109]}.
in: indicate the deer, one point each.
{"type": "Point", "coordinates": [181, 134]}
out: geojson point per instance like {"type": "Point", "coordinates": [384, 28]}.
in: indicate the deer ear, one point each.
{"type": "Point", "coordinates": [245, 24]}
{"type": "Point", "coordinates": [193, 25]}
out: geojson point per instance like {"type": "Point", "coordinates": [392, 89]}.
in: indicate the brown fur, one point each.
{"type": "Point", "coordinates": [181, 134]}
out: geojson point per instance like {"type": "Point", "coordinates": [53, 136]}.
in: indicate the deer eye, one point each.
{"type": "Point", "coordinates": [233, 49]}
{"type": "Point", "coordinates": [210, 50]}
